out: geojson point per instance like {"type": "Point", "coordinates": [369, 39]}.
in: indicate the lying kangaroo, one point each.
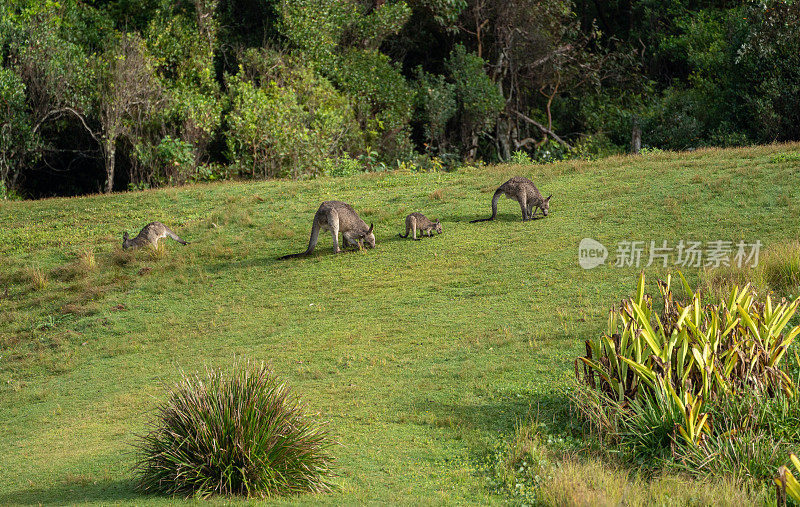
{"type": "Point", "coordinates": [337, 216]}
{"type": "Point", "coordinates": [418, 221]}
{"type": "Point", "coordinates": [150, 235]}
{"type": "Point", "coordinates": [525, 192]}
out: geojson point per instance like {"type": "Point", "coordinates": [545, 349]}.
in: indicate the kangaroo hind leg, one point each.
{"type": "Point", "coordinates": [333, 223]}
{"type": "Point", "coordinates": [523, 204]}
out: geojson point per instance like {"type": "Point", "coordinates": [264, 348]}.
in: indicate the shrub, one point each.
{"type": "Point", "coordinates": [241, 433]}
{"type": "Point", "coordinates": [284, 119]}
{"type": "Point", "coordinates": [520, 157]}
{"type": "Point", "coordinates": [436, 105]}
{"type": "Point", "coordinates": [382, 100]}
{"type": "Point", "coordinates": [479, 100]}
{"type": "Point", "coordinates": [343, 166]}
{"type": "Point", "coordinates": [699, 386]}
{"type": "Point", "coordinates": [517, 466]}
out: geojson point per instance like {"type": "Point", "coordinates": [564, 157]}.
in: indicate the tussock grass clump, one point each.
{"type": "Point", "coordinates": [778, 270]}
{"type": "Point", "coordinates": [84, 263]}
{"type": "Point", "coordinates": [781, 267]}
{"type": "Point", "coordinates": [37, 277]}
{"type": "Point", "coordinates": [87, 260]}
{"type": "Point", "coordinates": [156, 253]}
{"type": "Point", "coordinates": [241, 433]}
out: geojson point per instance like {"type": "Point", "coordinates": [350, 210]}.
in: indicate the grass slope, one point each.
{"type": "Point", "coordinates": [419, 353]}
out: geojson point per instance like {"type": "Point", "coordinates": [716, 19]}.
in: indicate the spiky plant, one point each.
{"type": "Point", "coordinates": [238, 433]}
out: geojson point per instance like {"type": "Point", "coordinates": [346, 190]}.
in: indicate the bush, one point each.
{"type": "Point", "coordinates": [520, 157]}
{"type": "Point", "coordinates": [479, 100]}
{"type": "Point", "coordinates": [344, 166]}
{"type": "Point", "coordinates": [382, 100]}
{"type": "Point", "coordinates": [285, 120]}
{"type": "Point", "coordinates": [702, 387]}
{"type": "Point", "coordinates": [237, 434]}
{"type": "Point", "coordinates": [436, 105]}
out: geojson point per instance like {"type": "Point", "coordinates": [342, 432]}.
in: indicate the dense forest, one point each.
{"type": "Point", "coordinates": [102, 95]}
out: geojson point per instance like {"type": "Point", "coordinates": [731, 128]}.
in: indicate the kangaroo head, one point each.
{"type": "Point", "coordinates": [438, 227]}
{"type": "Point", "coordinates": [546, 205]}
{"type": "Point", "coordinates": [125, 241]}
{"type": "Point", "coordinates": [368, 238]}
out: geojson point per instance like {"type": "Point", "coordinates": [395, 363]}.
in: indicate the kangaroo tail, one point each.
{"type": "Point", "coordinates": [174, 236]}
{"type": "Point", "coordinates": [401, 235]}
{"type": "Point", "coordinates": [495, 198]}
{"type": "Point", "coordinates": [312, 242]}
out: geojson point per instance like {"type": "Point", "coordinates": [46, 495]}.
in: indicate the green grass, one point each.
{"type": "Point", "coordinates": [420, 354]}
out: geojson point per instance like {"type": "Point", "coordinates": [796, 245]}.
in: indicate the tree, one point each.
{"type": "Point", "coordinates": [130, 94]}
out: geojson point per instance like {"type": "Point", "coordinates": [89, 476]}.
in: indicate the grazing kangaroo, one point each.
{"type": "Point", "coordinates": [525, 192]}
{"type": "Point", "coordinates": [150, 235]}
{"type": "Point", "coordinates": [338, 216]}
{"type": "Point", "coordinates": [419, 222]}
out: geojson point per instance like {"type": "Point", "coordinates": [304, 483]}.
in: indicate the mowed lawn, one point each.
{"type": "Point", "coordinates": [420, 354]}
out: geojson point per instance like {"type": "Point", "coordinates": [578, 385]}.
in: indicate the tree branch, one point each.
{"type": "Point", "coordinates": [543, 128]}
{"type": "Point", "coordinates": [67, 109]}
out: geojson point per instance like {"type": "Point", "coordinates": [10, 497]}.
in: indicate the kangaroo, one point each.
{"type": "Point", "coordinates": [418, 221]}
{"type": "Point", "coordinates": [150, 235]}
{"type": "Point", "coordinates": [338, 216]}
{"type": "Point", "coordinates": [525, 192]}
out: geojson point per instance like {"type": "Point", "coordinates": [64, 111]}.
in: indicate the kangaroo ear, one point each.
{"type": "Point", "coordinates": [548, 197]}
{"type": "Point", "coordinates": [124, 235]}
{"type": "Point", "coordinates": [437, 220]}
{"type": "Point", "coordinates": [369, 231]}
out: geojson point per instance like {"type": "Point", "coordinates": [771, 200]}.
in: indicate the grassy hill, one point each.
{"type": "Point", "coordinates": [422, 355]}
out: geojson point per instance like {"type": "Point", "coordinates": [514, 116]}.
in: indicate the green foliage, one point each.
{"type": "Point", "coordinates": [264, 137]}
{"type": "Point", "coordinates": [520, 157]}
{"type": "Point", "coordinates": [650, 151]}
{"type": "Point", "coordinates": [479, 100]}
{"type": "Point", "coordinates": [239, 433]}
{"type": "Point", "coordinates": [436, 104]}
{"type": "Point", "coordinates": [343, 166]}
{"type": "Point", "coordinates": [517, 466]}
{"type": "Point", "coordinates": [18, 142]}
{"type": "Point", "coordinates": [442, 78]}
{"type": "Point", "coordinates": [786, 481]}
{"type": "Point", "coordinates": [786, 157]}
{"type": "Point", "coordinates": [702, 388]}
{"type": "Point", "coordinates": [315, 27]}
{"type": "Point", "coordinates": [551, 151]}
{"type": "Point", "coordinates": [372, 29]}
{"type": "Point", "coordinates": [287, 122]}
{"type": "Point", "coordinates": [175, 157]}
{"type": "Point", "coordinates": [382, 100]}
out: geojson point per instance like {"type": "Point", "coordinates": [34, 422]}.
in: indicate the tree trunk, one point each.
{"type": "Point", "coordinates": [473, 147]}
{"type": "Point", "coordinates": [110, 152]}
{"type": "Point", "coordinates": [636, 137]}
{"type": "Point", "coordinates": [504, 136]}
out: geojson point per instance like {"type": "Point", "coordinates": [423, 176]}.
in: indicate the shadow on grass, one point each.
{"type": "Point", "coordinates": [501, 217]}
{"type": "Point", "coordinates": [100, 491]}
{"type": "Point", "coordinates": [500, 416]}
